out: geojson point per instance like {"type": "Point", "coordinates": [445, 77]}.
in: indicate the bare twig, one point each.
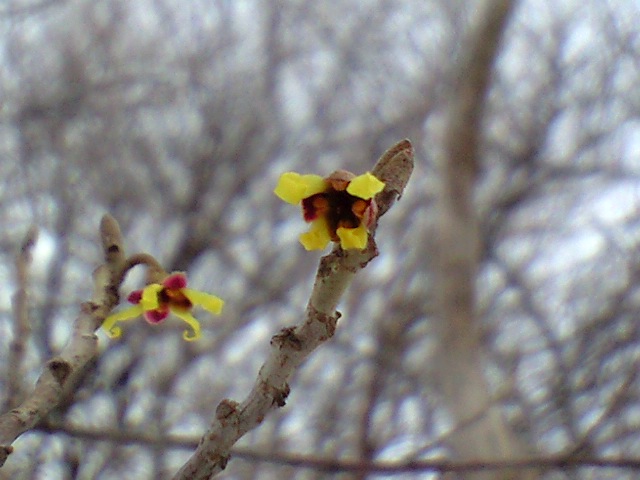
{"type": "Point", "coordinates": [333, 465]}
{"type": "Point", "coordinates": [294, 344]}
{"type": "Point", "coordinates": [63, 371]}
{"type": "Point", "coordinates": [22, 326]}
{"type": "Point", "coordinates": [439, 466]}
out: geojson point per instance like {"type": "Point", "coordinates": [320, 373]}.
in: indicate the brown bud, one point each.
{"type": "Point", "coordinates": [340, 179]}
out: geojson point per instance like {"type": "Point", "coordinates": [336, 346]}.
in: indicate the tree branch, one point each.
{"type": "Point", "coordinates": [22, 325]}
{"type": "Point", "coordinates": [291, 346]}
{"type": "Point", "coordinates": [62, 372]}
{"type": "Point", "coordinates": [459, 370]}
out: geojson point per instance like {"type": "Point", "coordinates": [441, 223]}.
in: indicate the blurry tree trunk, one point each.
{"type": "Point", "coordinates": [481, 431]}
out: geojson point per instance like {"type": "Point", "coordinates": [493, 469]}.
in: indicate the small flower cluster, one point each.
{"type": "Point", "coordinates": [341, 208]}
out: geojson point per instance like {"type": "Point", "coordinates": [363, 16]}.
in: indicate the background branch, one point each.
{"type": "Point", "coordinates": [21, 323]}
{"type": "Point", "coordinates": [337, 466]}
{"type": "Point", "coordinates": [459, 371]}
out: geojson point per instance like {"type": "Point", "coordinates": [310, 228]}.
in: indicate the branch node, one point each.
{"type": "Point", "coordinates": [280, 396]}
{"type": "Point", "coordinates": [287, 337]}
{"type": "Point", "coordinates": [330, 322]}
{"type": "Point", "coordinates": [60, 369]}
{"type": "Point", "coordinates": [5, 451]}
{"type": "Point", "coordinates": [17, 416]}
{"type": "Point", "coordinates": [88, 308]}
{"type": "Point", "coordinates": [327, 265]}
{"type": "Point", "coordinates": [226, 409]}
{"type": "Point", "coordinates": [372, 252]}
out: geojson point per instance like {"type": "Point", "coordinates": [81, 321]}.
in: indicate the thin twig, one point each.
{"type": "Point", "coordinates": [293, 345]}
{"type": "Point", "coordinates": [333, 465]}
{"type": "Point", "coordinates": [155, 272]}
{"type": "Point", "coordinates": [22, 325]}
{"type": "Point", "coordinates": [63, 371]}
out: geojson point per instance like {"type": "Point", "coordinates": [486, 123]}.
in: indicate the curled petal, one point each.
{"type": "Point", "coordinates": [317, 237]}
{"type": "Point", "coordinates": [365, 186]}
{"type": "Point", "coordinates": [175, 281]}
{"type": "Point", "coordinates": [293, 187]}
{"type": "Point", "coordinates": [109, 324]}
{"type": "Point", "coordinates": [149, 299]}
{"type": "Point", "coordinates": [209, 302]}
{"type": "Point", "coordinates": [192, 322]}
{"type": "Point", "coordinates": [114, 332]}
{"type": "Point", "coordinates": [353, 237]}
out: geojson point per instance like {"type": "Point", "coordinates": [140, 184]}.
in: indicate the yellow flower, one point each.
{"type": "Point", "coordinates": [155, 301]}
{"type": "Point", "coordinates": [340, 208]}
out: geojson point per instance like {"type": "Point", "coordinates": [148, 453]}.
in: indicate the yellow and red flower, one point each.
{"type": "Point", "coordinates": [156, 301]}
{"type": "Point", "coordinates": [340, 207]}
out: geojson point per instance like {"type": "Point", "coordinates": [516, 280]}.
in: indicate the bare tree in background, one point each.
{"type": "Point", "coordinates": [178, 117]}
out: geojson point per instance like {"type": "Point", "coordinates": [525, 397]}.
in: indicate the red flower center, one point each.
{"type": "Point", "coordinates": [339, 208]}
{"type": "Point", "coordinates": [174, 298]}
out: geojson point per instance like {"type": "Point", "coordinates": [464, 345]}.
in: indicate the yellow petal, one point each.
{"type": "Point", "coordinates": [109, 323]}
{"type": "Point", "coordinates": [192, 322]}
{"type": "Point", "coordinates": [353, 237]}
{"type": "Point", "coordinates": [149, 300]}
{"type": "Point", "coordinates": [293, 187]}
{"type": "Point", "coordinates": [207, 301]}
{"type": "Point", "coordinates": [365, 186]}
{"type": "Point", "coordinates": [317, 237]}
